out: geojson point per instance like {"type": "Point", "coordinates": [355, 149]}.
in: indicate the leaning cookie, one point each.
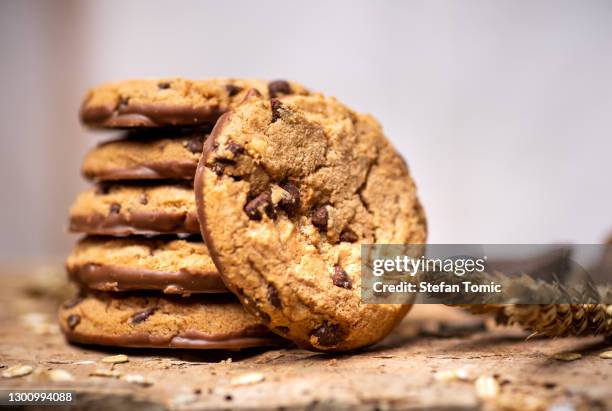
{"type": "Point", "coordinates": [135, 209]}
{"type": "Point", "coordinates": [163, 155]}
{"type": "Point", "coordinates": [172, 101]}
{"type": "Point", "coordinates": [168, 264]}
{"type": "Point", "coordinates": [148, 320]}
{"type": "Point", "coordinates": [287, 191]}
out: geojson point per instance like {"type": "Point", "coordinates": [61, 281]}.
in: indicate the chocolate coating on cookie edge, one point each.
{"type": "Point", "coordinates": [142, 223]}
{"type": "Point", "coordinates": [111, 278]}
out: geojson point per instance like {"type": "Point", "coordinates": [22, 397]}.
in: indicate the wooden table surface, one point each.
{"type": "Point", "coordinates": [438, 358]}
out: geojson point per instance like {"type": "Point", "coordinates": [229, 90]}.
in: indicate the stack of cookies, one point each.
{"type": "Point", "coordinates": [288, 186]}
{"type": "Point", "coordinates": [145, 275]}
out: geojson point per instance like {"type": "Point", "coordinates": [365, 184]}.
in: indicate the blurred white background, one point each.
{"type": "Point", "coordinates": [503, 109]}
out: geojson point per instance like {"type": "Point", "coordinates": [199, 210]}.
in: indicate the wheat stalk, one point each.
{"type": "Point", "coordinates": [566, 315]}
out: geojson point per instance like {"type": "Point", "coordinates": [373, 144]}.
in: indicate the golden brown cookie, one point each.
{"type": "Point", "coordinates": [174, 266]}
{"type": "Point", "coordinates": [288, 189]}
{"type": "Point", "coordinates": [161, 155]}
{"type": "Point", "coordinates": [150, 320]}
{"type": "Point", "coordinates": [135, 209]}
{"type": "Point", "coordinates": [172, 101]}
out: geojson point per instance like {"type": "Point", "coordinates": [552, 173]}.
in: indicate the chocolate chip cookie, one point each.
{"type": "Point", "coordinates": [172, 101]}
{"type": "Point", "coordinates": [287, 190]}
{"type": "Point", "coordinates": [150, 320]}
{"type": "Point", "coordinates": [163, 155]}
{"type": "Point", "coordinates": [174, 266]}
{"type": "Point", "coordinates": [135, 209]}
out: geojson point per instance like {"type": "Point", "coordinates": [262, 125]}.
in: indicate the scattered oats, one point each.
{"type": "Point", "coordinates": [101, 372]}
{"type": "Point", "coordinates": [84, 362]}
{"type": "Point", "coordinates": [606, 355]}
{"type": "Point", "coordinates": [17, 371]}
{"type": "Point", "coordinates": [37, 323]}
{"type": "Point", "coordinates": [247, 379]}
{"type": "Point", "coordinates": [115, 359]}
{"type": "Point", "coordinates": [183, 399]}
{"type": "Point", "coordinates": [32, 319]}
{"type": "Point", "coordinates": [567, 356]}
{"type": "Point", "coordinates": [46, 329]}
{"type": "Point", "coordinates": [59, 375]}
{"type": "Point", "coordinates": [228, 361]}
{"type": "Point", "coordinates": [562, 406]}
{"type": "Point", "coordinates": [333, 362]}
{"type": "Point", "coordinates": [452, 375]}
{"type": "Point", "coordinates": [487, 387]}
{"type": "Point", "coordinates": [138, 379]}
{"type": "Point", "coordinates": [59, 362]}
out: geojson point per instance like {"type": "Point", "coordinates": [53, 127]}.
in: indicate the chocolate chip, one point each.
{"type": "Point", "coordinates": [279, 87]}
{"type": "Point", "coordinates": [291, 203]}
{"type": "Point", "coordinates": [232, 89]}
{"type": "Point", "coordinates": [73, 302]}
{"type": "Point", "coordinates": [276, 106]}
{"type": "Point", "coordinates": [73, 320]}
{"type": "Point", "coordinates": [218, 168]}
{"type": "Point", "coordinates": [142, 315]}
{"type": "Point", "coordinates": [341, 278]}
{"type": "Point", "coordinates": [102, 189]}
{"type": "Point", "coordinates": [163, 85]}
{"type": "Point", "coordinates": [144, 199]}
{"type": "Point", "coordinates": [124, 101]}
{"type": "Point", "coordinates": [235, 149]}
{"type": "Point", "coordinates": [328, 334]}
{"type": "Point", "coordinates": [273, 296]}
{"type": "Point", "coordinates": [319, 218]}
{"type": "Point", "coordinates": [115, 208]}
{"type": "Point", "coordinates": [195, 144]}
{"type": "Point", "coordinates": [253, 207]}
{"type": "Point", "coordinates": [348, 235]}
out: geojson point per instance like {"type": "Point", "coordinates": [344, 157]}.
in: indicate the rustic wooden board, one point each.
{"type": "Point", "coordinates": [412, 369]}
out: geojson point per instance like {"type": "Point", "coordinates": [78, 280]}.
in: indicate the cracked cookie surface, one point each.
{"type": "Point", "coordinates": [150, 320]}
{"type": "Point", "coordinates": [288, 189]}
{"type": "Point", "coordinates": [161, 155]}
{"type": "Point", "coordinates": [135, 209]}
{"type": "Point", "coordinates": [169, 264]}
{"type": "Point", "coordinates": [172, 101]}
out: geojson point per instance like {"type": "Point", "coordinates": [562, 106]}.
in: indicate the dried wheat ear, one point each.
{"type": "Point", "coordinates": [552, 320]}
{"type": "Point", "coordinates": [563, 317]}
